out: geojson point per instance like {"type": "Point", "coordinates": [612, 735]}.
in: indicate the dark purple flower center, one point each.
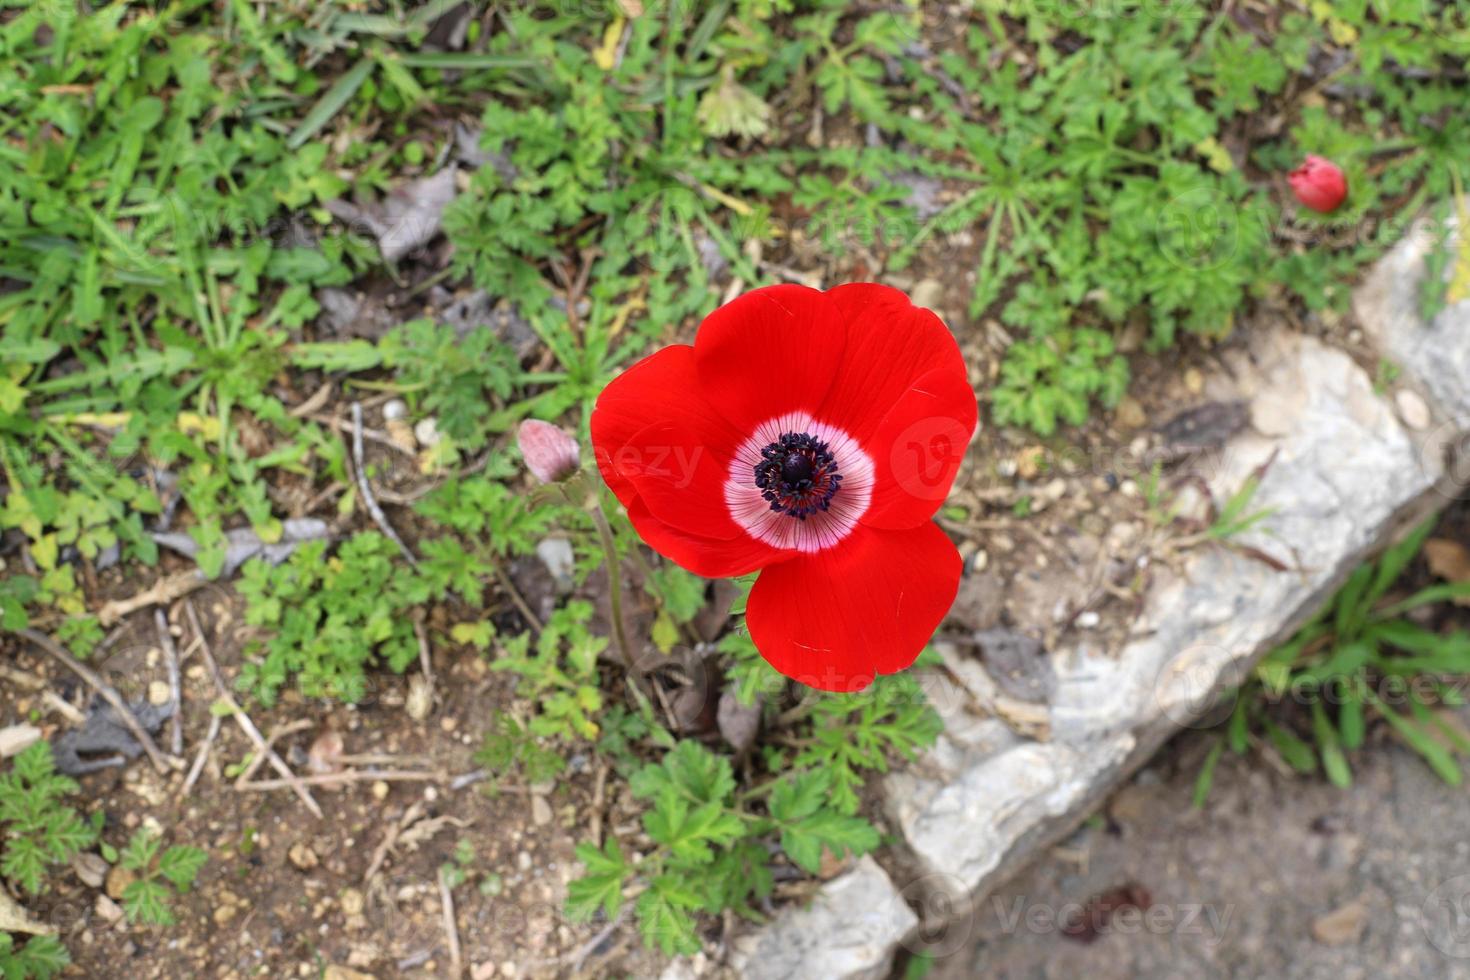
{"type": "Point", "coordinates": [798, 475]}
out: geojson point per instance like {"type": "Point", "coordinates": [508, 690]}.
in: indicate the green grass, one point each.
{"type": "Point", "coordinates": [1359, 658]}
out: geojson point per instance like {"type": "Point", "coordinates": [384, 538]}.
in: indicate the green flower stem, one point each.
{"type": "Point", "coordinates": [615, 586]}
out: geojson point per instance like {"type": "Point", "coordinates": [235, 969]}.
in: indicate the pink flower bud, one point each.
{"type": "Point", "coordinates": [551, 455]}
{"type": "Point", "coordinates": [1318, 184]}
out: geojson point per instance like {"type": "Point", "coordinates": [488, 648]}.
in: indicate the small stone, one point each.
{"type": "Point", "coordinates": [1194, 381]}
{"type": "Point", "coordinates": [927, 294]}
{"type": "Point", "coordinates": [523, 860]}
{"type": "Point", "coordinates": [1342, 926]}
{"type": "Point", "coordinates": [90, 868]}
{"type": "Point", "coordinates": [556, 554]}
{"type": "Point", "coordinates": [380, 791]}
{"type": "Point", "coordinates": [738, 722]}
{"type": "Point", "coordinates": [540, 811]}
{"type": "Point", "coordinates": [1088, 620]}
{"type": "Point", "coordinates": [352, 901]}
{"type": "Point", "coordinates": [395, 408]}
{"type": "Point", "coordinates": [402, 434]}
{"type": "Point", "coordinates": [302, 856]}
{"type": "Point", "coordinates": [159, 693]}
{"type": "Point", "coordinates": [335, 972]}
{"type": "Point", "coordinates": [325, 754]}
{"type": "Point", "coordinates": [427, 432]}
{"type": "Point", "coordinates": [1412, 409]}
{"type": "Point", "coordinates": [420, 700]}
{"type": "Point", "coordinates": [15, 739]}
{"type": "Point", "coordinates": [1129, 413]}
{"type": "Point", "coordinates": [224, 913]}
{"type": "Point", "coordinates": [118, 879]}
{"type": "Point", "coordinates": [1028, 462]}
{"type": "Point", "coordinates": [108, 910]}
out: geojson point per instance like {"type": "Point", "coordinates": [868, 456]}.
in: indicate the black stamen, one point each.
{"type": "Point", "coordinates": [797, 475]}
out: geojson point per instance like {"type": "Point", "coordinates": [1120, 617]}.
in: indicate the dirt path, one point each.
{"type": "Point", "coordinates": [1277, 877]}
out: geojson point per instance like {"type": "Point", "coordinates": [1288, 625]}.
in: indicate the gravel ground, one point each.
{"type": "Point", "coordinates": [1276, 877]}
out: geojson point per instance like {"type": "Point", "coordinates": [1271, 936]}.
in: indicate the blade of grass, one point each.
{"type": "Point", "coordinates": [466, 62]}
{"type": "Point", "coordinates": [331, 102]}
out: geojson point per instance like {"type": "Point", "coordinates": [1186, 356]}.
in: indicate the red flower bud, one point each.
{"type": "Point", "coordinates": [551, 455]}
{"type": "Point", "coordinates": [1318, 184]}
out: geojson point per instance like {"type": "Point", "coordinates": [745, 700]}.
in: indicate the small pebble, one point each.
{"type": "Point", "coordinates": [302, 856]}
{"type": "Point", "coordinates": [159, 693]}
{"type": "Point", "coordinates": [90, 868]}
{"type": "Point", "coordinates": [352, 901]}
{"type": "Point", "coordinates": [118, 879]}
{"type": "Point", "coordinates": [427, 432]}
{"type": "Point", "coordinates": [1412, 409]}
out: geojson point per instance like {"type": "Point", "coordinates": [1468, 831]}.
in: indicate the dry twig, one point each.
{"type": "Point", "coordinates": [247, 726]}
{"type": "Point", "coordinates": [171, 660]}
{"type": "Point", "coordinates": [160, 593]}
{"type": "Point", "coordinates": [363, 488]}
{"type": "Point", "coordinates": [198, 766]}
{"type": "Point", "coordinates": [350, 776]}
{"type": "Point", "coordinates": [451, 928]}
{"type": "Point", "coordinates": [275, 735]}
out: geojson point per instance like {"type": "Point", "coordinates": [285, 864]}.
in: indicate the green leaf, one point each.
{"type": "Point", "coordinates": [690, 771]}
{"type": "Point", "coordinates": [1395, 560]}
{"type": "Point", "coordinates": [24, 862]}
{"type": "Point", "coordinates": [1298, 754]}
{"type": "Point", "coordinates": [690, 834]}
{"type": "Point", "coordinates": [1350, 609]}
{"type": "Point", "coordinates": [601, 884]}
{"type": "Point", "coordinates": [139, 853]}
{"type": "Point", "coordinates": [181, 864]}
{"type": "Point", "coordinates": [681, 592]}
{"type": "Point", "coordinates": [1206, 778]}
{"type": "Point", "coordinates": [331, 102]}
{"type": "Point", "coordinates": [804, 839]}
{"type": "Point", "coordinates": [146, 901]}
{"type": "Point", "coordinates": [664, 915]}
{"type": "Point", "coordinates": [1334, 763]}
{"type": "Point", "coordinates": [1435, 754]}
{"type": "Point", "coordinates": [41, 958]}
{"type": "Point", "coordinates": [1350, 717]}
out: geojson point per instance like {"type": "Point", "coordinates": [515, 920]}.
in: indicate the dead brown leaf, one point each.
{"type": "Point", "coordinates": [1449, 560]}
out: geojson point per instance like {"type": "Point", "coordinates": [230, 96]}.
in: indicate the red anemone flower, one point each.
{"type": "Point", "coordinates": [1318, 184]}
{"type": "Point", "coordinates": [811, 436]}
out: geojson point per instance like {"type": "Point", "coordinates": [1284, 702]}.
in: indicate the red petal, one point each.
{"type": "Point", "coordinates": [890, 344]}
{"type": "Point", "coordinates": [918, 448]}
{"type": "Point", "coordinates": [680, 479]}
{"type": "Point", "coordinates": [835, 619]}
{"type": "Point", "coordinates": [662, 387]}
{"type": "Point", "coordinates": [769, 352]}
{"type": "Point", "coordinates": [709, 557]}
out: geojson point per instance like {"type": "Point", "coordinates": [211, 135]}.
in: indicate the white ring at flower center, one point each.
{"type": "Point", "coordinates": [821, 530]}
